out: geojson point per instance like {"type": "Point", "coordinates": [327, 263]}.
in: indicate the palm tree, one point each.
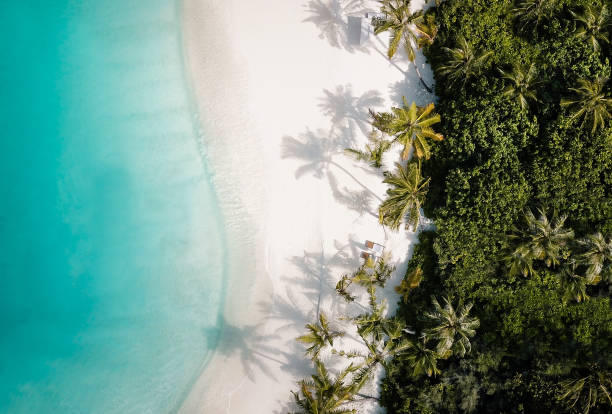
{"type": "Point", "coordinates": [411, 126]}
{"type": "Point", "coordinates": [462, 62]}
{"type": "Point", "coordinates": [422, 359]}
{"type": "Point", "coordinates": [371, 273]}
{"type": "Point", "coordinates": [374, 150]}
{"type": "Point", "coordinates": [573, 285]}
{"type": "Point", "coordinates": [370, 325]}
{"type": "Point", "coordinates": [325, 394]}
{"type": "Point", "coordinates": [410, 282]}
{"type": "Point", "coordinates": [597, 256]}
{"type": "Point", "coordinates": [452, 328]}
{"type": "Point", "coordinates": [522, 83]}
{"type": "Point", "coordinates": [520, 261]}
{"type": "Point", "coordinates": [541, 239]}
{"type": "Point", "coordinates": [530, 13]}
{"type": "Point", "coordinates": [405, 198]}
{"type": "Point", "coordinates": [405, 27]}
{"type": "Point", "coordinates": [588, 391]}
{"type": "Point", "coordinates": [590, 102]}
{"type": "Point", "coordinates": [592, 25]}
{"type": "Point", "coordinates": [318, 336]}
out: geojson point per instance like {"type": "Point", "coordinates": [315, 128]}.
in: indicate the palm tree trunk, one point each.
{"type": "Point", "coordinates": [416, 68]}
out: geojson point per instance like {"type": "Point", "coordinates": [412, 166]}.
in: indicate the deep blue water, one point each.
{"type": "Point", "coordinates": [111, 244]}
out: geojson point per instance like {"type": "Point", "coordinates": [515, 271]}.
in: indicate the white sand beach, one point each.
{"type": "Point", "coordinates": [282, 91]}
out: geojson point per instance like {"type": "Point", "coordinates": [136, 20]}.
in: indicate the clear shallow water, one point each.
{"type": "Point", "coordinates": [111, 247]}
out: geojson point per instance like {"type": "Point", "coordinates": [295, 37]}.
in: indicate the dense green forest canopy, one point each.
{"type": "Point", "coordinates": [521, 194]}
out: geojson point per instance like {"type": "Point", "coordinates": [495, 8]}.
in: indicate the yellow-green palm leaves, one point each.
{"type": "Point", "coordinates": [374, 150]}
{"type": "Point", "coordinates": [324, 394]}
{"type": "Point", "coordinates": [521, 84]}
{"type": "Point", "coordinates": [411, 126]}
{"type": "Point", "coordinates": [593, 25]}
{"type": "Point", "coordinates": [405, 197]}
{"type": "Point", "coordinates": [405, 27]}
{"type": "Point", "coordinates": [590, 102]}
{"type": "Point", "coordinates": [319, 335]}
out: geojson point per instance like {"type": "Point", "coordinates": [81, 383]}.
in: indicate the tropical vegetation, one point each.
{"type": "Point", "coordinates": [505, 303]}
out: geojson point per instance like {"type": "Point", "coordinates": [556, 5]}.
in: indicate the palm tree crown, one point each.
{"type": "Point", "coordinates": [592, 25]}
{"type": "Point", "coordinates": [452, 328]}
{"type": "Point", "coordinates": [325, 394]}
{"type": "Point", "coordinates": [522, 81]}
{"type": "Point", "coordinates": [463, 62]}
{"type": "Point", "coordinates": [530, 13]}
{"type": "Point", "coordinates": [590, 102]}
{"type": "Point", "coordinates": [597, 256]}
{"type": "Point", "coordinates": [422, 359]}
{"type": "Point", "coordinates": [318, 336]}
{"type": "Point", "coordinates": [411, 126]}
{"type": "Point", "coordinates": [588, 391]}
{"type": "Point", "coordinates": [540, 239]}
{"type": "Point", "coordinates": [374, 150]}
{"type": "Point", "coordinates": [410, 29]}
{"type": "Point", "coordinates": [573, 285]}
{"type": "Point", "coordinates": [405, 197]}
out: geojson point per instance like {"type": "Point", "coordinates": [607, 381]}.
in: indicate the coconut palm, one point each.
{"type": "Point", "coordinates": [462, 62]}
{"type": "Point", "coordinates": [520, 261]}
{"type": "Point", "coordinates": [573, 285]}
{"type": "Point", "coordinates": [587, 392]}
{"type": "Point", "coordinates": [374, 150]}
{"type": "Point", "coordinates": [590, 102]}
{"type": "Point", "coordinates": [422, 359]}
{"type": "Point", "coordinates": [531, 13]}
{"type": "Point", "coordinates": [592, 25]}
{"type": "Point", "coordinates": [597, 256]}
{"type": "Point", "coordinates": [371, 273]}
{"type": "Point", "coordinates": [540, 239]}
{"type": "Point", "coordinates": [325, 394]}
{"type": "Point", "coordinates": [404, 198]}
{"type": "Point", "coordinates": [410, 282]}
{"type": "Point", "coordinates": [451, 328]}
{"type": "Point", "coordinates": [411, 126]}
{"type": "Point", "coordinates": [406, 28]}
{"type": "Point", "coordinates": [319, 335]}
{"type": "Point", "coordinates": [370, 325]}
{"type": "Point", "coordinates": [522, 81]}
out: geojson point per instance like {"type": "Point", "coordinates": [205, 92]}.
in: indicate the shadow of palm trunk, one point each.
{"type": "Point", "coordinates": [347, 172]}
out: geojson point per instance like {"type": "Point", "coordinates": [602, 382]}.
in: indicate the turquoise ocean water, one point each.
{"type": "Point", "coordinates": [111, 243]}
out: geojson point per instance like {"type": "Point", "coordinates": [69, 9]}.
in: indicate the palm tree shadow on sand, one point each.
{"type": "Point", "coordinates": [330, 17]}
{"type": "Point", "coordinates": [411, 87]}
{"type": "Point", "coordinates": [344, 108]}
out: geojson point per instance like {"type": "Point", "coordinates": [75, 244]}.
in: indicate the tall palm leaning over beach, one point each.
{"type": "Point", "coordinates": [522, 82]}
{"type": "Point", "coordinates": [462, 62]}
{"type": "Point", "coordinates": [593, 25]}
{"type": "Point", "coordinates": [405, 197]}
{"type": "Point", "coordinates": [319, 336]}
{"type": "Point", "coordinates": [590, 102]}
{"type": "Point", "coordinates": [406, 28]}
{"type": "Point", "coordinates": [451, 328]}
{"type": "Point", "coordinates": [411, 126]}
{"type": "Point", "coordinates": [325, 394]}
{"type": "Point", "coordinates": [540, 239]}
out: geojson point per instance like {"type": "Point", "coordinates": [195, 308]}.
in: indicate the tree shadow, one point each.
{"type": "Point", "coordinates": [358, 201]}
{"type": "Point", "coordinates": [330, 17]}
{"type": "Point", "coordinates": [343, 108]}
{"type": "Point", "coordinates": [411, 87]}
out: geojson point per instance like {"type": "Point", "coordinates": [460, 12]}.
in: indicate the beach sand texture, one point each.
{"type": "Point", "coordinates": [282, 90]}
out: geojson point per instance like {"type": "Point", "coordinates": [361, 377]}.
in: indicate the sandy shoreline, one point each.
{"type": "Point", "coordinates": [281, 91]}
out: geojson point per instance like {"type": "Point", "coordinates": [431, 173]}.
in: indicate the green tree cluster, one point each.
{"type": "Point", "coordinates": [520, 191]}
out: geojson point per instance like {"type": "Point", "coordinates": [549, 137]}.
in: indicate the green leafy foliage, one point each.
{"type": "Point", "coordinates": [527, 128]}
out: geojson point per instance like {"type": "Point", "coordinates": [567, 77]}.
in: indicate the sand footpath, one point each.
{"type": "Point", "coordinates": [281, 91]}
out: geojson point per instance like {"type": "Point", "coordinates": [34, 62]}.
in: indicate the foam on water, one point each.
{"type": "Point", "coordinates": [111, 243]}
